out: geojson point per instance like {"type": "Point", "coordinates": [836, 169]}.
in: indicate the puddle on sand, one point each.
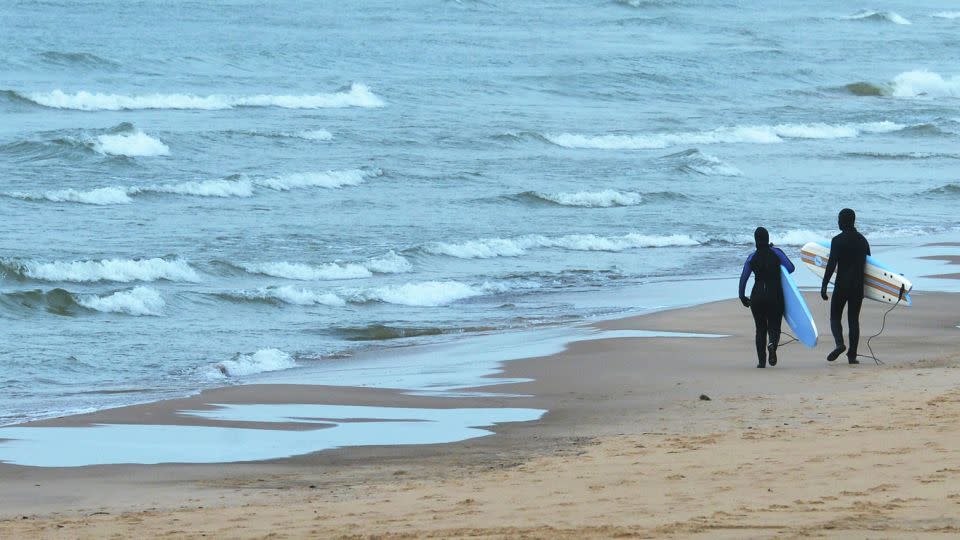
{"type": "Point", "coordinates": [445, 370]}
{"type": "Point", "coordinates": [104, 444]}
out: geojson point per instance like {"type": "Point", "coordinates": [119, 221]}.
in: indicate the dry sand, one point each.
{"type": "Point", "coordinates": [628, 450]}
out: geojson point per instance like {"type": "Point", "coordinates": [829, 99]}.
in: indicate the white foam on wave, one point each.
{"type": "Point", "coordinates": [790, 237]}
{"type": "Point", "coordinates": [706, 164]}
{"type": "Point", "coordinates": [911, 84]}
{"type": "Point", "coordinates": [947, 15]}
{"type": "Point", "coordinates": [423, 294]}
{"type": "Point", "coordinates": [513, 247]}
{"type": "Point", "coordinates": [307, 272]}
{"type": "Point", "coordinates": [123, 195]}
{"type": "Point", "coordinates": [591, 242]}
{"type": "Point", "coordinates": [99, 196]}
{"type": "Point", "coordinates": [328, 179]}
{"type": "Point", "coordinates": [888, 16]}
{"type": "Point", "coordinates": [479, 249]}
{"type": "Point", "coordinates": [119, 270]}
{"type": "Point", "coordinates": [292, 295]}
{"type": "Point", "coordinates": [797, 237]}
{"type": "Point", "coordinates": [391, 263]}
{"type": "Point", "coordinates": [594, 199]}
{"type": "Point", "coordinates": [357, 96]}
{"type": "Point", "coordinates": [137, 301]}
{"type": "Point", "coordinates": [261, 361]}
{"type": "Point", "coordinates": [205, 188]}
{"type": "Point", "coordinates": [133, 144]}
{"type": "Point", "coordinates": [729, 135]}
{"type": "Point", "coordinates": [314, 135]}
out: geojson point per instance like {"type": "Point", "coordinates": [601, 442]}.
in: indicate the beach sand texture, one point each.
{"type": "Point", "coordinates": [628, 449]}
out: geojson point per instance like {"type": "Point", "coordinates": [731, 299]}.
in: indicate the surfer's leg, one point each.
{"type": "Point", "coordinates": [836, 314]}
{"type": "Point", "coordinates": [853, 325]}
{"type": "Point", "coordinates": [774, 318]}
{"type": "Point", "coordinates": [760, 320]}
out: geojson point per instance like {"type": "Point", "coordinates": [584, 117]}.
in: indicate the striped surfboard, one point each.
{"type": "Point", "coordinates": [880, 283]}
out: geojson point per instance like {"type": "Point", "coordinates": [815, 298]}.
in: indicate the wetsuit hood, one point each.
{"type": "Point", "coordinates": [761, 237]}
{"type": "Point", "coordinates": [846, 219]}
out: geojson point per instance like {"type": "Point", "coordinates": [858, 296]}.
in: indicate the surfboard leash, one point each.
{"type": "Point", "coordinates": [793, 339]}
{"type": "Point", "coordinates": [883, 325]}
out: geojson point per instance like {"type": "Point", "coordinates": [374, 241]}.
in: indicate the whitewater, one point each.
{"type": "Point", "coordinates": [186, 213]}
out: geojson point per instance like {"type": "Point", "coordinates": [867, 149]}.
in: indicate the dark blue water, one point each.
{"type": "Point", "coordinates": [194, 193]}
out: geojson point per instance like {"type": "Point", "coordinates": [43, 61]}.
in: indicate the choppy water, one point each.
{"type": "Point", "coordinates": [196, 193]}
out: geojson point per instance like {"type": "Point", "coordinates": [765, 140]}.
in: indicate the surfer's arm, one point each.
{"type": "Point", "coordinates": [784, 260]}
{"type": "Point", "coordinates": [831, 266]}
{"type": "Point", "coordinates": [744, 276]}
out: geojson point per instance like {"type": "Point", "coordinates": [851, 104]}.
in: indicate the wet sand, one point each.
{"type": "Point", "coordinates": [628, 448]}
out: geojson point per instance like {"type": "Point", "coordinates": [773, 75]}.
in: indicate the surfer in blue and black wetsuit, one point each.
{"type": "Point", "coordinates": [766, 298]}
{"type": "Point", "coordinates": [848, 256]}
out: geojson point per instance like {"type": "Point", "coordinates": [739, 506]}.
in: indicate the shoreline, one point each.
{"type": "Point", "coordinates": [635, 394]}
{"type": "Point", "coordinates": [661, 296]}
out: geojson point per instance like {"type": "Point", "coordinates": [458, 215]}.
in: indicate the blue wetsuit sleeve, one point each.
{"type": "Point", "coordinates": [744, 275]}
{"type": "Point", "coordinates": [784, 260]}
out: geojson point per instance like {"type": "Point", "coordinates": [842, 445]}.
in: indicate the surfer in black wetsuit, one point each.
{"type": "Point", "coordinates": [848, 256]}
{"type": "Point", "coordinates": [766, 298]}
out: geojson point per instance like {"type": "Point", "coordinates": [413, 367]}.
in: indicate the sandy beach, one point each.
{"type": "Point", "coordinates": [629, 448]}
{"type": "Point", "coordinates": [469, 269]}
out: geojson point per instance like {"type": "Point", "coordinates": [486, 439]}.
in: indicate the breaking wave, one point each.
{"type": "Point", "coordinates": [391, 263]}
{"type": "Point", "coordinates": [121, 140]}
{"type": "Point", "coordinates": [259, 362]}
{"type": "Point", "coordinates": [241, 187]}
{"type": "Point", "coordinates": [306, 272]}
{"type": "Point", "coordinates": [358, 95]}
{"type": "Point", "coordinates": [206, 188]}
{"type": "Point", "coordinates": [912, 84]}
{"type": "Point", "coordinates": [738, 134]}
{"type": "Point", "coordinates": [423, 294]}
{"type": "Point", "coordinates": [792, 237]}
{"type": "Point", "coordinates": [132, 144]}
{"type": "Point", "coordinates": [285, 295]}
{"type": "Point", "coordinates": [513, 247]}
{"type": "Point", "coordinates": [118, 270]}
{"type": "Point", "coordinates": [99, 196]}
{"type": "Point", "coordinates": [328, 179]}
{"type": "Point", "coordinates": [312, 135]}
{"type": "Point", "coordinates": [697, 162]}
{"type": "Point", "coordinates": [878, 16]}
{"type": "Point", "coordinates": [947, 15]}
{"type": "Point", "coordinates": [948, 190]}
{"type": "Point", "coordinates": [588, 199]}
{"type": "Point", "coordinates": [137, 301]}
{"type": "Point", "coordinates": [58, 301]}
{"type": "Point", "coordinates": [867, 89]}
{"type": "Point", "coordinates": [418, 294]}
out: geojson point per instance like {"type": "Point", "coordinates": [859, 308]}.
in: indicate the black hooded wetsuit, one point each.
{"type": "Point", "coordinates": [766, 297]}
{"type": "Point", "coordinates": [848, 256]}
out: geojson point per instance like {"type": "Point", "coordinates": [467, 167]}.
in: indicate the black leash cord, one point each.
{"type": "Point", "coordinates": [883, 325]}
{"type": "Point", "coordinates": [793, 338]}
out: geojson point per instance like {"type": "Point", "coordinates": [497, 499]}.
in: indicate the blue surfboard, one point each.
{"type": "Point", "coordinates": [796, 312]}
